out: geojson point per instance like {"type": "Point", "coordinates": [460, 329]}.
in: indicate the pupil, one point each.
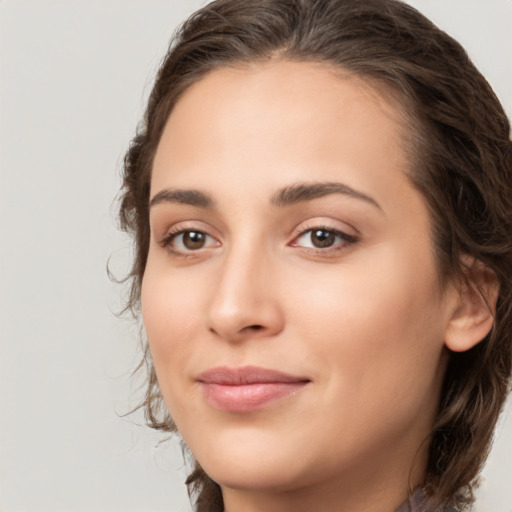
{"type": "Point", "coordinates": [193, 239]}
{"type": "Point", "coordinates": [322, 238]}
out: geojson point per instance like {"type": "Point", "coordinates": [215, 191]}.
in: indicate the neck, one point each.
{"type": "Point", "coordinates": [381, 488]}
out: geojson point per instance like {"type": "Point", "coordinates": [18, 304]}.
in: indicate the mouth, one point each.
{"type": "Point", "coordinates": [248, 388]}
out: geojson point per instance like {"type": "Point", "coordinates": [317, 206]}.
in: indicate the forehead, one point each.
{"type": "Point", "coordinates": [279, 115]}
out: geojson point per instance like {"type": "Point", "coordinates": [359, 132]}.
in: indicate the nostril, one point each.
{"type": "Point", "coordinates": [255, 327]}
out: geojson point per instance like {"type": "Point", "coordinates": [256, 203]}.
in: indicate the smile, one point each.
{"type": "Point", "coordinates": [247, 389]}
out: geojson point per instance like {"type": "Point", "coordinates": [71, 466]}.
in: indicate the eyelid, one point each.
{"type": "Point", "coordinates": [180, 228]}
{"type": "Point", "coordinates": [174, 235]}
{"type": "Point", "coordinates": [327, 224]}
{"type": "Point", "coordinates": [340, 234]}
{"type": "Point", "coordinates": [345, 235]}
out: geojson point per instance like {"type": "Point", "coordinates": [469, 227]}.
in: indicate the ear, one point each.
{"type": "Point", "coordinates": [475, 307]}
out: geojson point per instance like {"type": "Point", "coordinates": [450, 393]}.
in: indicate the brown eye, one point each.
{"type": "Point", "coordinates": [321, 238]}
{"type": "Point", "coordinates": [189, 240]}
{"type": "Point", "coordinates": [193, 240]}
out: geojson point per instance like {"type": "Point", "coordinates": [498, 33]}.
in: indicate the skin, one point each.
{"type": "Point", "coordinates": [365, 320]}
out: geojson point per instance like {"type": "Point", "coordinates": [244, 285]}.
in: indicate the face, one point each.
{"type": "Point", "coordinates": [291, 298]}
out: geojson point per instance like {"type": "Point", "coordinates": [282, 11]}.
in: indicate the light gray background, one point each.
{"type": "Point", "coordinates": [74, 75]}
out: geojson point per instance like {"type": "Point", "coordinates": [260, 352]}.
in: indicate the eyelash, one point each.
{"type": "Point", "coordinates": [343, 243]}
{"type": "Point", "coordinates": [167, 242]}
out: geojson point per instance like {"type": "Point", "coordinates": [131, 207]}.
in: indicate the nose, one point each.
{"type": "Point", "coordinates": [245, 303]}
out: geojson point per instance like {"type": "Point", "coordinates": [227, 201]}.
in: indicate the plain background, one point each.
{"type": "Point", "coordinates": [74, 76]}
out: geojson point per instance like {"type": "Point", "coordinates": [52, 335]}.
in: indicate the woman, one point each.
{"type": "Point", "coordinates": [320, 197]}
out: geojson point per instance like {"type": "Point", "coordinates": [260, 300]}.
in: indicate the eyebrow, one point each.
{"type": "Point", "coordinates": [307, 191]}
{"type": "Point", "coordinates": [189, 196]}
{"type": "Point", "coordinates": [287, 196]}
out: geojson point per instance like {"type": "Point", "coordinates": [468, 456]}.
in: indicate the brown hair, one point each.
{"type": "Point", "coordinates": [462, 164]}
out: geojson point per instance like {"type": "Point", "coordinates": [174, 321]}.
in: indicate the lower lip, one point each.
{"type": "Point", "coordinates": [248, 397]}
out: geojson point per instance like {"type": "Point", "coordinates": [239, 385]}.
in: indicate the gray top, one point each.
{"type": "Point", "coordinates": [416, 503]}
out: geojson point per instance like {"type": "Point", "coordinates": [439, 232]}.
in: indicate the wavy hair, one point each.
{"type": "Point", "coordinates": [461, 161]}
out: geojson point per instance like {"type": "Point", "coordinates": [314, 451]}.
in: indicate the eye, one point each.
{"type": "Point", "coordinates": [323, 238]}
{"type": "Point", "coordinates": [188, 240]}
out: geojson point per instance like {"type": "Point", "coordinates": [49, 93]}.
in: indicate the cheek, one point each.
{"type": "Point", "coordinates": [377, 324]}
{"type": "Point", "coordinates": [170, 310]}
{"type": "Point", "coordinates": [170, 315]}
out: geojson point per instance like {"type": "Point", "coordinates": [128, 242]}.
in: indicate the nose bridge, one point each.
{"type": "Point", "coordinates": [244, 302]}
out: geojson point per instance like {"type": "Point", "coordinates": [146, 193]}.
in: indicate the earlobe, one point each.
{"type": "Point", "coordinates": [473, 316]}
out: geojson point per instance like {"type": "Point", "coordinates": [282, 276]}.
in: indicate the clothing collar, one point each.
{"type": "Point", "coordinates": [416, 503]}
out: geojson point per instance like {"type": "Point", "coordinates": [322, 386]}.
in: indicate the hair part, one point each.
{"type": "Point", "coordinates": [461, 162]}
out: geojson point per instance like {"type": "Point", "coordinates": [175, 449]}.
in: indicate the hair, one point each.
{"type": "Point", "coordinates": [461, 161]}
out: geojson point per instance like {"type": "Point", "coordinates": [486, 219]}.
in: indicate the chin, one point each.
{"type": "Point", "coordinates": [251, 462]}
{"type": "Point", "coordinates": [254, 476]}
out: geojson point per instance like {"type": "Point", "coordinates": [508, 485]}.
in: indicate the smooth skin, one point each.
{"type": "Point", "coordinates": [338, 284]}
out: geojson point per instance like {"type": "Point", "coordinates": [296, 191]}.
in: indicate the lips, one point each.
{"type": "Point", "coordinates": [247, 389]}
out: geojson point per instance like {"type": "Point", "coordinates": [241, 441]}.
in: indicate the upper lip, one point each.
{"type": "Point", "coordinates": [226, 376]}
